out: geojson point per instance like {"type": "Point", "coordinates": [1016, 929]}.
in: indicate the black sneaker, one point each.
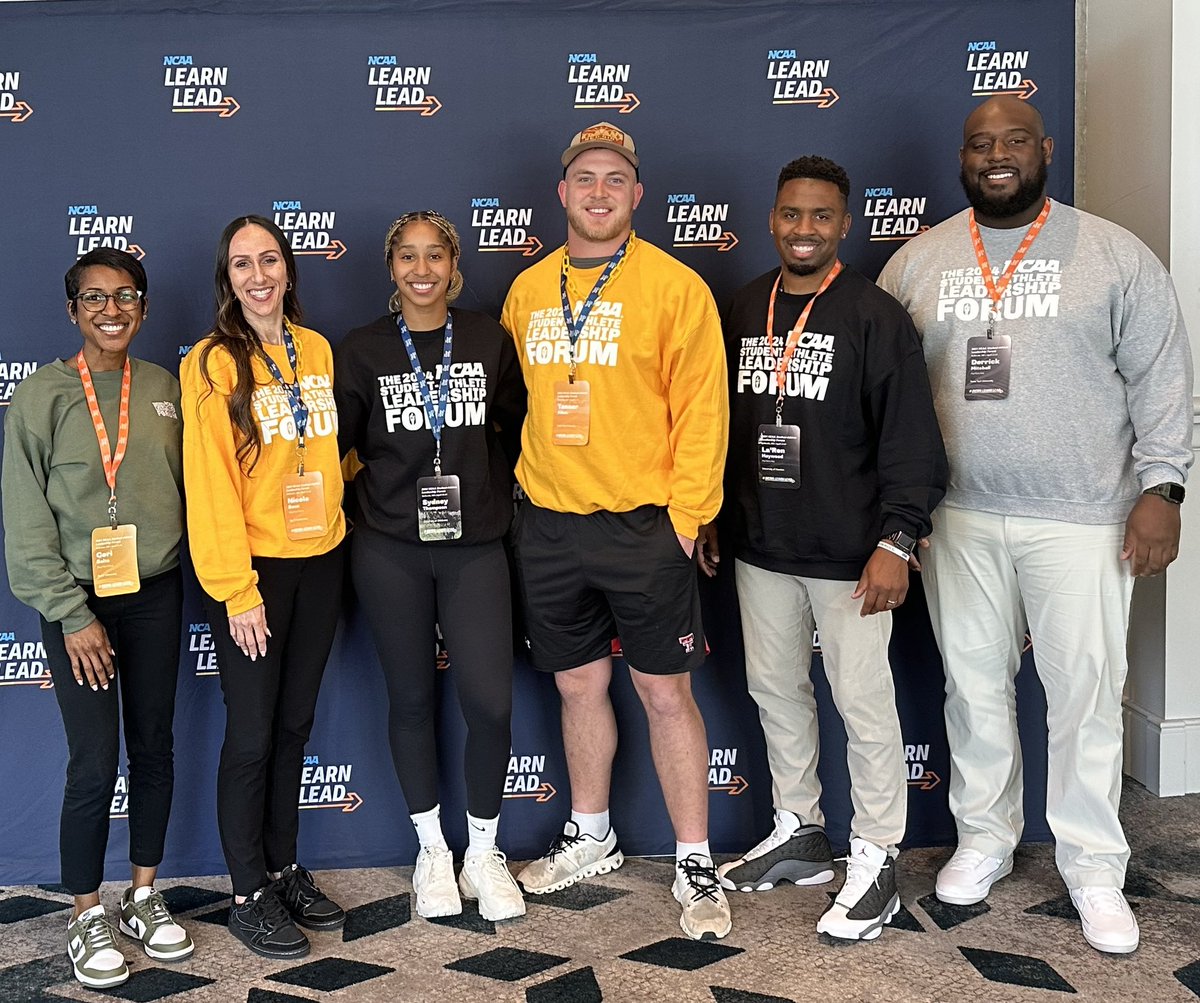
{"type": "Point", "coordinates": [868, 899]}
{"type": "Point", "coordinates": [802, 856]}
{"type": "Point", "coordinates": [305, 902]}
{"type": "Point", "coordinates": [263, 925]}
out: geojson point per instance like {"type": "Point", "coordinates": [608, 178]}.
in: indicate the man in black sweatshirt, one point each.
{"type": "Point", "coordinates": [835, 463]}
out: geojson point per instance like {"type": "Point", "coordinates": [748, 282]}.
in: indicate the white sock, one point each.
{"type": "Point", "coordinates": [687, 849]}
{"type": "Point", "coordinates": [429, 827]}
{"type": "Point", "coordinates": [143, 893]}
{"type": "Point", "coordinates": [482, 834]}
{"type": "Point", "coordinates": [595, 825]}
{"type": "Point", "coordinates": [788, 820]}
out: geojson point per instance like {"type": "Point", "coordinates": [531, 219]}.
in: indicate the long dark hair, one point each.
{"type": "Point", "coordinates": [232, 333]}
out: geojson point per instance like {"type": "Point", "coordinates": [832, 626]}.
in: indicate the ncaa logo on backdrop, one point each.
{"type": "Point", "coordinates": [699, 224]}
{"type": "Point", "coordinates": [892, 217]}
{"type": "Point", "coordinates": [501, 228]}
{"type": "Point", "coordinates": [999, 71]}
{"type": "Point", "coordinates": [196, 88]}
{"type": "Point", "coordinates": [200, 644]}
{"type": "Point", "coordinates": [599, 85]}
{"type": "Point", "coordinates": [919, 776]}
{"type": "Point", "coordinates": [11, 373]}
{"type": "Point", "coordinates": [91, 229]}
{"type": "Point", "coordinates": [308, 232]}
{"type": "Point", "coordinates": [721, 776]}
{"type": "Point", "coordinates": [12, 109]}
{"type": "Point", "coordinates": [327, 785]}
{"type": "Point", "coordinates": [23, 663]}
{"type": "Point", "coordinates": [523, 779]}
{"type": "Point", "coordinates": [401, 88]}
{"type": "Point", "coordinates": [799, 81]}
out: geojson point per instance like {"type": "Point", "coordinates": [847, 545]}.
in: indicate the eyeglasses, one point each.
{"type": "Point", "coordinates": [94, 301]}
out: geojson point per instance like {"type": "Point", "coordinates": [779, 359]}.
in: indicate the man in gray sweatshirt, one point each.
{"type": "Point", "coordinates": [1062, 379]}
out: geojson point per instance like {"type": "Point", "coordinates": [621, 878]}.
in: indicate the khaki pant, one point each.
{"type": "Point", "coordinates": [778, 615]}
{"type": "Point", "coordinates": [986, 577]}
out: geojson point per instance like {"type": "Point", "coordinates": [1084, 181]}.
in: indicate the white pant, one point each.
{"type": "Point", "coordinates": [778, 615]}
{"type": "Point", "coordinates": [986, 577]}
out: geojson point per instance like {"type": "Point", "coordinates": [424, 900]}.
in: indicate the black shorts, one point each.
{"type": "Point", "coordinates": [588, 578]}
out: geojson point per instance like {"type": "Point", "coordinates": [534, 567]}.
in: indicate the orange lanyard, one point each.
{"type": "Point", "coordinates": [111, 461]}
{"type": "Point", "coordinates": [793, 338]}
{"type": "Point", "coordinates": [997, 290]}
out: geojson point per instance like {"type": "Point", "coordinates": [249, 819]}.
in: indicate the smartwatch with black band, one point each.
{"type": "Point", "coordinates": [1169, 491]}
{"type": "Point", "coordinates": [902, 540]}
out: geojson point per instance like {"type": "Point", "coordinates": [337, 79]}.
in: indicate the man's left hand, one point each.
{"type": "Point", "coordinates": [1151, 536]}
{"type": "Point", "coordinates": [884, 583]}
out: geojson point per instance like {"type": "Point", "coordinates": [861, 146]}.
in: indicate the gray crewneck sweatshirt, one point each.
{"type": "Point", "coordinates": [1099, 404]}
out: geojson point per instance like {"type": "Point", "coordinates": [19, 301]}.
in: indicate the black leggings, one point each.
{"type": "Point", "coordinates": [269, 708]}
{"type": "Point", "coordinates": [405, 589]}
{"type": "Point", "coordinates": [143, 628]}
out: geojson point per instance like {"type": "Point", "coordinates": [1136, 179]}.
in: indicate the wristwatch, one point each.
{"type": "Point", "coordinates": [902, 540]}
{"type": "Point", "coordinates": [1170, 491]}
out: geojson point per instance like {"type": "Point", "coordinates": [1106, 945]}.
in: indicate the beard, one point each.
{"type": "Point", "coordinates": [1027, 194]}
{"type": "Point", "coordinates": [802, 270]}
{"type": "Point", "coordinates": [595, 230]}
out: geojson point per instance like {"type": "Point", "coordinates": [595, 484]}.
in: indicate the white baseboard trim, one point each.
{"type": "Point", "coordinates": [1162, 754]}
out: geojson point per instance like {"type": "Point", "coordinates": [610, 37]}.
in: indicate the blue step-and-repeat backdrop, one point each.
{"type": "Point", "coordinates": [148, 126]}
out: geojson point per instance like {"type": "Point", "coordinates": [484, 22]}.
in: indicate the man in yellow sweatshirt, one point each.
{"type": "Point", "coordinates": [621, 459]}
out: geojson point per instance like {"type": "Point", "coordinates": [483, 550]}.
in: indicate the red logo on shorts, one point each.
{"type": "Point", "coordinates": [689, 642]}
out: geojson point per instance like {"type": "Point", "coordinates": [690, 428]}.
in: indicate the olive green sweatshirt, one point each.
{"type": "Point", "coordinates": [53, 487]}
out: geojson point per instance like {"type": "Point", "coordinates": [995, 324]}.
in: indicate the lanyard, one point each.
{"type": "Point", "coordinates": [575, 324]}
{"type": "Point", "coordinates": [111, 461]}
{"type": "Point", "coordinates": [997, 290]}
{"type": "Point", "coordinates": [435, 414]}
{"type": "Point", "coordinates": [299, 408]}
{"type": "Point", "coordinates": [793, 338]}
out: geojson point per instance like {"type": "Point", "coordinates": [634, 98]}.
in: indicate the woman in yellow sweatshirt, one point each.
{"type": "Point", "coordinates": [265, 528]}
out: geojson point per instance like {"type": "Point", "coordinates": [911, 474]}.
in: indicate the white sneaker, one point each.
{"type": "Point", "coordinates": [1108, 923]}
{"type": "Point", "coordinates": [868, 898]}
{"type": "Point", "coordinates": [968, 876]}
{"type": "Point", "coordinates": [92, 948]}
{"type": "Point", "coordinates": [572, 856]}
{"type": "Point", "coordinates": [705, 908]}
{"type": "Point", "coordinates": [433, 883]}
{"type": "Point", "coordinates": [485, 876]}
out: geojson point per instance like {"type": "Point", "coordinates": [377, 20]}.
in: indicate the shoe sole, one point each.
{"type": "Point", "coordinates": [442, 914]}
{"type": "Point", "coordinates": [871, 929]}
{"type": "Point", "coordinates": [955, 898]}
{"type": "Point", "coordinates": [273, 952]}
{"type": "Point", "coordinates": [151, 952]}
{"type": "Point", "coordinates": [94, 983]}
{"type": "Point", "coordinates": [310, 924]}
{"type": "Point", "coordinates": [1103, 948]}
{"type": "Point", "coordinates": [787, 870]}
{"type": "Point", "coordinates": [608, 864]}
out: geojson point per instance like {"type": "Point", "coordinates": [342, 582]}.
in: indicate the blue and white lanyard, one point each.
{"type": "Point", "coordinates": [435, 414]}
{"type": "Point", "coordinates": [299, 408]}
{"type": "Point", "coordinates": [575, 324]}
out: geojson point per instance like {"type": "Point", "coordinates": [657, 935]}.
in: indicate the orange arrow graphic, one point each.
{"type": "Point", "coordinates": [350, 803]}
{"type": "Point", "coordinates": [543, 794]}
{"type": "Point", "coordinates": [430, 106]}
{"type": "Point", "coordinates": [727, 242]}
{"type": "Point", "coordinates": [136, 251]}
{"type": "Point", "coordinates": [1027, 90]}
{"type": "Point", "coordinates": [226, 109]}
{"type": "Point", "coordinates": [18, 112]}
{"type": "Point", "coordinates": [626, 104]}
{"type": "Point", "coordinates": [738, 786]}
{"type": "Point", "coordinates": [829, 97]}
{"type": "Point", "coordinates": [528, 247]}
{"type": "Point", "coordinates": [331, 253]}
{"type": "Point", "coordinates": [45, 684]}
{"type": "Point", "coordinates": [926, 783]}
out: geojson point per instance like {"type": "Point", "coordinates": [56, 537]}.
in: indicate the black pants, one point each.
{"type": "Point", "coordinates": [269, 708]}
{"type": "Point", "coordinates": [143, 628]}
{"type": "Point", "coordinates": [405, 588]}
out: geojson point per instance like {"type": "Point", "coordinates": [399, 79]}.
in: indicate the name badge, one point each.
{"type": "Point", "coordinates": [439, 508]}
{"type": "Point", "coordinates": [114, 561]}
{"type": "Point", "coordinates": [779, 456]}
{"type": "Point", "coordinates": [989, 363]}
{"type": "Point", "coordinates": [572, 412]}
{"type": "Point", "coordinates": [304, 505]}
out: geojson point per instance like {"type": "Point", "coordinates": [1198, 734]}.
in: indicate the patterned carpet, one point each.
{"type": "Point", "coordinates": [617, 939]}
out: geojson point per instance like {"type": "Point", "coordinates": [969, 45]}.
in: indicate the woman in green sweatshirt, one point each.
{"type": "Point", "coordinates": [92, 491]}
